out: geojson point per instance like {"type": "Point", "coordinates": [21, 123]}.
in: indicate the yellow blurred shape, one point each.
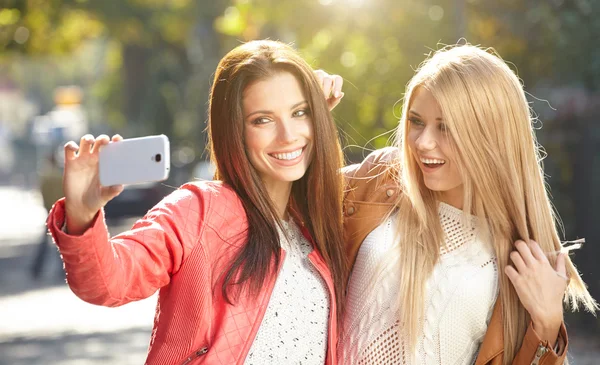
{"type": "Point", "coordinates": [231, 23]}
{"type": "Point", "coordinates": [68, 95]}
{"type": "Point", "coordinates": [9, 16]}
{"type": "Point", "coordinates": [348, 59]}
{"type": "Point", "coordinates": [322, 39]}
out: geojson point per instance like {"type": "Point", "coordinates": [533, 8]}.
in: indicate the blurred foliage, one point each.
{"type": "Point", "coordinates": [154, 46]}
{"type": "Point", "coordinates": [148, 52]}
{"type": "Point", "coordinates": [146, 66]}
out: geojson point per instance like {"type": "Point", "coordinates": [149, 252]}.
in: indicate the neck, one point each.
{"type": "Point", "coordinates": [454, 197]}
{"type": "Point", "coordinates": [279, 192]}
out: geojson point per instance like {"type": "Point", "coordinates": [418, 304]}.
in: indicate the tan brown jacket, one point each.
{"type": "Point", "coordinates": [371, 192]}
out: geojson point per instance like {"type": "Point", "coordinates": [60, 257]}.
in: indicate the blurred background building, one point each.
{"type": "Point", "coordinates": [138, 67]}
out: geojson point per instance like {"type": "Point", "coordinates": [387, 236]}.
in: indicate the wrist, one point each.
{"type": "Point", "coordinates": [548, 318]}
{"type": "Point", "coordinates": [77, 221]}
{"type": "Point", "coordinates": [547, 328]}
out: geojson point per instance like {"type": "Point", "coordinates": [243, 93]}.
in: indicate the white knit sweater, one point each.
{"type": "Point", "coordinates": [294, 328]}
{"type": "Point", "coordinates": [460, 295]}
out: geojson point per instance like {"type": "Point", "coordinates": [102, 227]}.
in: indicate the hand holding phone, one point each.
{"type": "Point", "coordinates": [84, 196]}
{"type": "Point", "coordinates": [84, 193]}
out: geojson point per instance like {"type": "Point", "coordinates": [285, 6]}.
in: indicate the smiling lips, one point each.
{"type": "Point", "coordinates": [287, 155]}
{"type": "Point", "coordinates": [431, 164]}
{"type": "Point", "coordinates": [288, 158]}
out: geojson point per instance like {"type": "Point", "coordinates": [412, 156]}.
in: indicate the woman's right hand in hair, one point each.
{"type": "Point", "coordinates": [540, 287]}
{"type": "Point", "coordinates": [332, 87]}
{"type": "Point", "coordinates": [84, 196]}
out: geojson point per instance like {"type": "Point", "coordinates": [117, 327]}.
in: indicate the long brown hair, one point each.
{"type": "Point", "coordinates": [316, 197]}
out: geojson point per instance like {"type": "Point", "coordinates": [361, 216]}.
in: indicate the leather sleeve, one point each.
{"type": "Point", "coordinates": [134, 264]}
{"type": "Point", "coordinates": [532, 341]}
{"type": "Point", "coordinates": [370, 195]}
{"type": "Point", "coordinates": [371, 170]}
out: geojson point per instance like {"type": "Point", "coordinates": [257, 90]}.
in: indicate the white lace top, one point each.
{"type": "Point", "coordinates": [294, 328]}
{"type": "Point", "coordinates": [460, 295]}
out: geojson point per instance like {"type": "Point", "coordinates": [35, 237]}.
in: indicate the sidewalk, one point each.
{"type": "Point", "coordinates": [44, 323]}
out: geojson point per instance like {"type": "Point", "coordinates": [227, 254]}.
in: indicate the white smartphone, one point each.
{"type": "Point", "coordinates": [135, 160]}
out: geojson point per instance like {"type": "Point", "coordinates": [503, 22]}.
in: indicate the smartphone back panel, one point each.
{"type": "Point", "coordinates": [135, 160]}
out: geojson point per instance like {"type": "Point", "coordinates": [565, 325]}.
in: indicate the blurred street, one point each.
{"type": "Point", "coordinates": [44, 323]}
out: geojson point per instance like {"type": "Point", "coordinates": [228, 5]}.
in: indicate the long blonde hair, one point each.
{"type": "Point", "coordinates": [487, 115]}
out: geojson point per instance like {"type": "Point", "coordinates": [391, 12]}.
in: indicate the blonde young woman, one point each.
{"type": "Point", "coordinates": [452, 238]}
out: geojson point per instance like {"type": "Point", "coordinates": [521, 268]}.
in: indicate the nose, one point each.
{"type": "Point", "coordinates": [427, 140]}
{"type": "Point", "coordinates": [287, 133]}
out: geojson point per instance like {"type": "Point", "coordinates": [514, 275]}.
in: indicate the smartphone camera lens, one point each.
{"type": "Point", "coordinates": [157, 157]}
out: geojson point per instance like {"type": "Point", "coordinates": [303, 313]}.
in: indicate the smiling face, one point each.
{"type": "Point", "coordinates": [278, 129]}
{"type": "Point", "coordinates": [431, 147]}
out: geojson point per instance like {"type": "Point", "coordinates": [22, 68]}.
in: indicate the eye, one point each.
{"type": "Point", "coordinates": [300, 113]}
{"type": "Point", "coordinates": [261, 120]}
{"type": "Point", "coordinates": [443, 127]}
{"type": "Point", "coordinates": [416, 121]}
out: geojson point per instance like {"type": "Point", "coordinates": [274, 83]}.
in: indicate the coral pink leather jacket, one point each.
{"type": "Point", "coordinates": [181, 247]}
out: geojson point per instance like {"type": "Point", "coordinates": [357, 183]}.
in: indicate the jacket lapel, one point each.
{"type": "Point", "coordinates": [493, 342]}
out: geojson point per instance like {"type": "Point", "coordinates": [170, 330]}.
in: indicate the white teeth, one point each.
{"type": "Point", "coordinates": [287, 156]}
{"type": "Point", "coordinates": [431, 161]}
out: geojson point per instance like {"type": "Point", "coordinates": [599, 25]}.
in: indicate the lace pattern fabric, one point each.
{"type": "Point", "coordinates": [460, 295]}
{"type": "Point", "coordinates": [294, 328]}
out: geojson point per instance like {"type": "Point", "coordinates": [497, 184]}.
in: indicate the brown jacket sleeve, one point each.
{"type": "Point", "coordinates": [370, 195]}
{"type": "Point", "coordinates": [491, 351]}
{"type": "Point", "coordinates": [533, 347]}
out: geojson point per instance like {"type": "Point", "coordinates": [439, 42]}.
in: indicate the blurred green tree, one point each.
{"type": "Point", "coordinates": [158, 56]}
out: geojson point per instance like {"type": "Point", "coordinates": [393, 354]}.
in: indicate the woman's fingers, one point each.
{"type": "Point", "coordinates": [88, 145]}
{"type": "Point", "coordinates": [100, 141]}
{"type": "Point", "coordinates": [85, 145]}
{"type": "Point", "coordinates": [338, 82]}
{"type": "Point", "coordinates": [525, 252]}
{"type": "Point", "coordinates": [112, 191]}
{"type": "Point", "coordinates": [561, 267]}
{"type": "Point", "coordinates": [516, 258]}
{"type": "Point", "coordinates": [70, 150]}
{"type": "Point", "coordinates": [536, 251]}
{"type": "Point", "coordinates": [331, 86]}
{"type": "Point", "coordinates": [327, 86]}
{"type": "Point", "coordinates": [512, 274]}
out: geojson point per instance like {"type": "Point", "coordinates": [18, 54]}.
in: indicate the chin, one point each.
{"type": "Point", "coordinates": [435, 187]}
{"type": "Point", "coordinates": [292, 177]}
{"type": "Point", "coordinates": [431, 186]}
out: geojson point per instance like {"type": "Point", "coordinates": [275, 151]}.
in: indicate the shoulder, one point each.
{"type": "Point", "coordinates": [377, 161]}
{"type": "Point", "coordinates": [210, 188]}
{"type": "Point", "coordinates": [223, 209]}
{"type": "Point", "coordinates": [203, 199]}
{"type": "Point", "coordinates": [378, 171]}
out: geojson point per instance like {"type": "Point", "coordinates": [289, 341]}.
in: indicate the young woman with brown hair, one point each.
{"type": "Point", "coordinates": [249, 267]}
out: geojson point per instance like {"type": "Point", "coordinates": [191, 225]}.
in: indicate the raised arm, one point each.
{"type": "Point", "coordinates": [134, 264]}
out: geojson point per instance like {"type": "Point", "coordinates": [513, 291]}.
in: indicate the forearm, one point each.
{"type": "Point", "coordinates": [111, 272]}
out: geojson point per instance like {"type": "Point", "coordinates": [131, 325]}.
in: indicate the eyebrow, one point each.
{"type": "Point", "coordinates": [419, 115]}
{"type": "Point", "coordinates": [270, 112]}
